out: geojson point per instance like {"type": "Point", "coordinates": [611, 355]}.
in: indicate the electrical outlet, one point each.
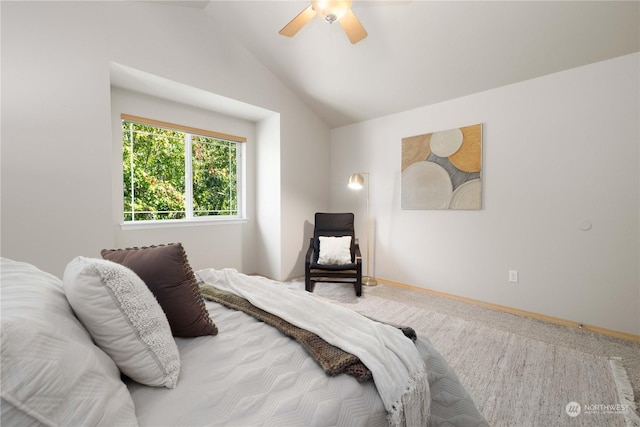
{"type": "Point", "coordinates": [513, 276]}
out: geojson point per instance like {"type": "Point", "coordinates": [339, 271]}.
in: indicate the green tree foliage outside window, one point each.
{"type": "Point", "coordinates": [156, 174]}
{"type": "Point", "coordinates": [215, 189]}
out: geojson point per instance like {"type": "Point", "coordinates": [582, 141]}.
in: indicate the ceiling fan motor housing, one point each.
{"type": "Point", "coordinates": [331, 10]}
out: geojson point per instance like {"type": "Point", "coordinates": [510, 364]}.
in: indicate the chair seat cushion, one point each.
{"type": "Point", "coordinates": [332, 267]}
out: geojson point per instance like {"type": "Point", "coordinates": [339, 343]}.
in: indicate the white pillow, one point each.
{"type": "Point", "coordinates": [124, 319]}
{"type": "Point", "coordinates": [335, 250]}
{"type": "Point", "coordinates": [52, 372]}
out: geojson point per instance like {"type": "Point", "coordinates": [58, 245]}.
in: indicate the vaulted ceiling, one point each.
{"type": "Point", "coordinates": [423, 52]}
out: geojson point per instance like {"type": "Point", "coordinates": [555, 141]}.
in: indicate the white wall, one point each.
{"type": "Point", "coordinates": [302, 187]}
{"type": "Point", "coordinates": [57, 143]}
{"type": "Point", "coordinates": [268, 201]}
{"type": "Point", "coordinates": [557, 151]}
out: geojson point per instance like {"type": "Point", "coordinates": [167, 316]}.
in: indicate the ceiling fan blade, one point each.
{"type": "Point", "coordinates": [292, 28]}
{"type": "Point", "coordinates": [354, 29]}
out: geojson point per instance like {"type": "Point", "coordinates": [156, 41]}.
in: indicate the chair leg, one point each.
{"type": "Point", "coordinates": [308, 284]}
{"type": "Point", "coordinates": [358, 286]}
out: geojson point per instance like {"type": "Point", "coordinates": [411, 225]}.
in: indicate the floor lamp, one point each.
{"type": "Point", "coordinates": [356, 182]}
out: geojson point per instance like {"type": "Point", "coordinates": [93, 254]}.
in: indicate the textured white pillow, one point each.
{"type": "Point", "coordinates": [52, 372]}
{"type": "Point", "coordinates": [335, 250]}
{"type": "Point", "coordinates": [124, 319]}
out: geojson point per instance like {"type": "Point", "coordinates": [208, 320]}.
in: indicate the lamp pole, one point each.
{"type": "Point", "coordinates": [356, 182]}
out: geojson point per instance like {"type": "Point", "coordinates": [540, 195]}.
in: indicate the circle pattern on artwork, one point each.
{"type": "Point", "coordinates": [426, 185]}
{"type": "Point", "coordinates": [446, 142]}
{"type": "Point", "coordinates": [468, 158]}
{"type": "Point", "coordinates": [467, 196]}
{"type": "Point", "coordinates": [415, 149]}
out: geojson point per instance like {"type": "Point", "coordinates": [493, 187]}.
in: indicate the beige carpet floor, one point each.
{"type": "Point", "coordinates": [520, 371]}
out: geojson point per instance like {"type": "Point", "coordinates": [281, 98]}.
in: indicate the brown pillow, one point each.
{"type": "Point", "coordinates": [166, 271]}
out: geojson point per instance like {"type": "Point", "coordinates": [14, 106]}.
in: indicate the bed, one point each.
{"type": "Point", "coordinates": [97, 348]}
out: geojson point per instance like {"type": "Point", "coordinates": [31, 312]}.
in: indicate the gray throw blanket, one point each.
{"type": "Point", "coordinates": [333, 360]}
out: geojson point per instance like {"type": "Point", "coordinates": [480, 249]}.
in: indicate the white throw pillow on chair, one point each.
{"type": "Point", "coordinates": [335, 250]}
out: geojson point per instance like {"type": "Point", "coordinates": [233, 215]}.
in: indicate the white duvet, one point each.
{"type": "Point", "coordinates": [252, 375]}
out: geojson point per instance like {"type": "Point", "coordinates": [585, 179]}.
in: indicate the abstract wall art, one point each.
{"type": "Point", "coordinates": [442, 170]}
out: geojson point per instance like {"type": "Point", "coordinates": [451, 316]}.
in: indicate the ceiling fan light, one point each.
{"type": "Point", "coordinates": [331, 10]}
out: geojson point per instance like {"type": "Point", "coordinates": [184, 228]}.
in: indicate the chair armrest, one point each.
{"type": "Point", "coordinates": [307, 258]}
{"type": "Point", "coordinates": [358, 255]}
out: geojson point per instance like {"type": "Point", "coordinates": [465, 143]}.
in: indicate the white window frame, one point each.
{"type": "Point", "coordinates": [190, 219]}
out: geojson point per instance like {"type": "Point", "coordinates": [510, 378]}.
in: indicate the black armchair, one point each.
{"type": "Point", "coordinates": [330, 225]}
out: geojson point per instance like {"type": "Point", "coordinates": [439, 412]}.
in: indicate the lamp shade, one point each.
{"type": "Point", "coordinates": [356, 181]}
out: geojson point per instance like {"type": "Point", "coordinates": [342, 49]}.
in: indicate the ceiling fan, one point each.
{"type": "Point", "coordinates": [331, 11]}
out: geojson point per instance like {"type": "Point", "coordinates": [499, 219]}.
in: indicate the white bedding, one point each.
{"type": "Point", "coordinates": [252, 375]}
{"type": "Point", "coordinates": [249, 375]}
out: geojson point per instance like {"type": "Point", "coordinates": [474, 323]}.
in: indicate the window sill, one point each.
{"type": "Point", "coordinates": [171, 223]}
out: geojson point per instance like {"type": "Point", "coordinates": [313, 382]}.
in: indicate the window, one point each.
{"type": "Point", "coordinates": [173, 172]}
